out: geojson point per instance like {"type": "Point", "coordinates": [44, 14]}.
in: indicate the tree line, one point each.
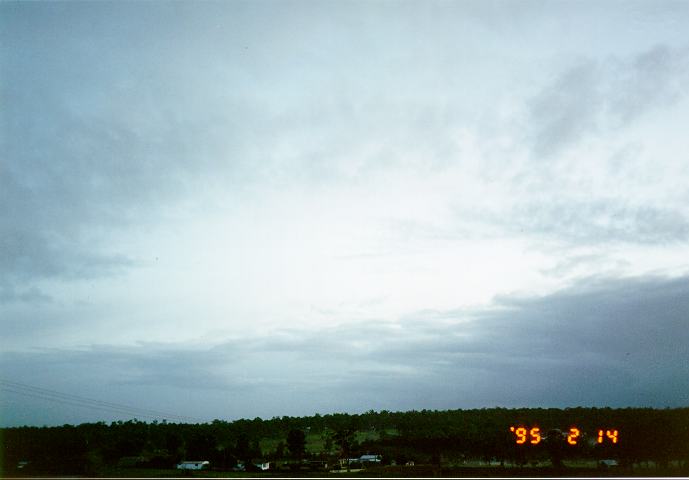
{"type": "Point", "coordinates": [426, 436]}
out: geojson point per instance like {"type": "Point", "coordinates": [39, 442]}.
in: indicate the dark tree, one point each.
{"type": "Point", "coordinates": [242, 449]}
{"type": "Point", "coordinates": [555, 443]}
{"type": "Point", "coordinates": [280, 451]}
{"type": "Point", "coordinates": [296, 443]}
{"type": "Point", "coordinates": [328, 441]}
{"type": "Point", "coordinates": [344, 439]}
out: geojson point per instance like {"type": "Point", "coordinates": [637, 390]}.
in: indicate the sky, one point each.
{"type": "Point", "coordinates": [239, 209]}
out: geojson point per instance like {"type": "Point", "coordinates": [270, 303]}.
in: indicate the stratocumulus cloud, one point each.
{"type": "Point", "coordinates": [600, 342]}
{"type": "Point", "coordinates": [218, 207]}
{"type": "Point", "coordinates": [595, 97]}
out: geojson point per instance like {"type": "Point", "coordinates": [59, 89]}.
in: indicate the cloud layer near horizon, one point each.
{"type": "Point", "coordinates": [614, 342]}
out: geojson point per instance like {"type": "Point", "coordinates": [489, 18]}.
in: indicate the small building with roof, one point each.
{"type": "Point", "coordinates": [193, 465]}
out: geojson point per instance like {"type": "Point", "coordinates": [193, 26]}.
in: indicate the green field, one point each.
{"type": "Point", "coordinates": [315, 442]}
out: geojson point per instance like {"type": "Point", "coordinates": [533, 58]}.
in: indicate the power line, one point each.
{"type": "Point", "coordinates": [77, 400]}
{"type": "Point", "coordinates": [74, 404]}
{"type": "Point", "coordinates": [45, 391]}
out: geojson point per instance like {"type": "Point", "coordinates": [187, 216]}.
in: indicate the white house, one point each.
{"type": "Point", "coordinates": [370, 459]}
{"type": "Point", "coordinates": [193, 465]}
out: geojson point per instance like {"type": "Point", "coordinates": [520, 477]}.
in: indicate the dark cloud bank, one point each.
{"type": "Point", "coordinates": [615, 342]}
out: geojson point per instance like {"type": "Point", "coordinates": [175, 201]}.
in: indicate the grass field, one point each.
{"type": "Point", "coordinates": [399, 471]}
{"type": "Point", "coordinates": [315, 442]}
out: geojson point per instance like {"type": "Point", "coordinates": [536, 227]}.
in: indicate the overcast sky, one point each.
{"type": "Point", "coordinates": [241, 209]}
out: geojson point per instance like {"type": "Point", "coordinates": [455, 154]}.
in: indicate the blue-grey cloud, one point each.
{"type": "Point", "coordinates": [602, 96]}
{"type": "Point", "coordinates": [600, 342]}
{"type": "Point", "coordinates": [9, 293]}
{"type": "Point", "coordinates": [116, 114]}
{"type": "Point", "coordinates": [108, 121]}
{"type": "Point", "coordinates": [596, 222]}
